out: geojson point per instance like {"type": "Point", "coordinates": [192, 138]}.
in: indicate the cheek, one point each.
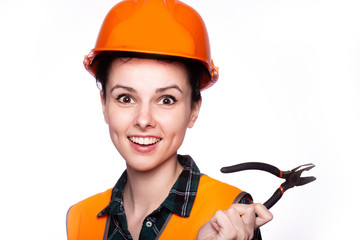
{"type": "Point", "coordinates": [176, 122]}
{"type": "Point", "coordinates": [118, 120]}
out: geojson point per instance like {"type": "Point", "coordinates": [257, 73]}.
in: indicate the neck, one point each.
{"type": "Point", "coordinates": [145, 191]}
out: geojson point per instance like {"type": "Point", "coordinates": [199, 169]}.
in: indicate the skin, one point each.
{"type": "Point", "coordinates": [140, 102]}
{"type": "Point", "coordinates": [151, 98]}
{"type": "Point", "coordinates": [236, 223]}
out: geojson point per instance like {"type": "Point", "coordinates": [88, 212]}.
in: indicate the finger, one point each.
{"type": "Point", "coordinates": [247, 213]}
{"type": "Point", "coordinates": [222, 223]}
{"type": "Point", "coordinates": [233, 213]}
{"type": "Point", "coordinates": [263, 215]}
{"type": "Point", "coordinates": [208, 231]}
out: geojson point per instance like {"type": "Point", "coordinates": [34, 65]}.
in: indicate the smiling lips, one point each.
{"type": "Point", "coordinates": [144, 144]}
{"type": "Point", "coordinates": [144, 140]}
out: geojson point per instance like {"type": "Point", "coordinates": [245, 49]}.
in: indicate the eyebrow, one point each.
{"type": "Point", "coordinates": [159, 90]}
{"type": "Point", "coordinates": [130, 89]}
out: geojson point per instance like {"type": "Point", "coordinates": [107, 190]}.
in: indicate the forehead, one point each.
{"type": "Point", "coordinates": [140, 72]}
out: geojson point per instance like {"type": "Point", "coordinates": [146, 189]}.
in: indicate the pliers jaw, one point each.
{"type": "Point", "coordinates": [293, 177]}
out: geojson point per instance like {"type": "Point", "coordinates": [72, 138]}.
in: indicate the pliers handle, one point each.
{"type": "Point", "coordinates": [292, 177]}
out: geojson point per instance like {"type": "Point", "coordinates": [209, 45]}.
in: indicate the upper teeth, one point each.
{"type": "Point", "coordinates": [144, 141]}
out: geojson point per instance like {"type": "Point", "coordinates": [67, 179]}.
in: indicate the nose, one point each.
{"type": "Point", "coordinates": [144, 117]}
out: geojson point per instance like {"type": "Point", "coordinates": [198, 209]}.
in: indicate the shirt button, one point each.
{"type": "Point", "coordinates": [148, 224]}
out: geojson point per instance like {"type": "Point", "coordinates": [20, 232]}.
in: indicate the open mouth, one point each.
{"type": "Point", "coordinates": [144, 141]}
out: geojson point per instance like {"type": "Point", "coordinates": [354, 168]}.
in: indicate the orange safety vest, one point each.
{"type": "Point", "coordinates": [212, 195]}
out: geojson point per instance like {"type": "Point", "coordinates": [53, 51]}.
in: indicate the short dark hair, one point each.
{"type": "Point", "coordinates": [195, 69]}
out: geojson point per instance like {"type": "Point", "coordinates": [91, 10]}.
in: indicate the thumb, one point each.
{"type": "Point", "coordinates": [215, 228]}
{"type": "Point", "coordinates": [208, 231]}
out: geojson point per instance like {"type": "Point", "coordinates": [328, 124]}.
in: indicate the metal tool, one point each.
{"type": "Point", "coordinates": [293, 177]}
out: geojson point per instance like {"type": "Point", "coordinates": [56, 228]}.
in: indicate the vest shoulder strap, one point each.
{"type": "Point", "coordinates": [82, 222]}
{"type": "Point", "coordinates": [212, 195]}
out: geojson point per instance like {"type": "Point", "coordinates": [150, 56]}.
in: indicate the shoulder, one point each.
{"type": "Point", "coordinates": [210, 188]}
{"type": "Point", "coordinates": [82, 221]}
{"type": "Point", "coordinates": [217, 193]}
{"type": "Point", "coordinates": [91, 205]}
{"type": "Point", "coordinates": [212, 195]}
{"type": "Point", "coordinates": [210, 182]}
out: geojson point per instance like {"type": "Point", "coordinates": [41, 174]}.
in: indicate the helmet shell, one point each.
{"type": "Point", "coordinates": [165, 27]}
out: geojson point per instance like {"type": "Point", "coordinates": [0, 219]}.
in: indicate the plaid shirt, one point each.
{"type": "Point", "coordinates": [179, 201]}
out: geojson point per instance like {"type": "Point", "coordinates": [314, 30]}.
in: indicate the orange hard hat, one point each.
{"type": "Point", "coordinates": [165, 27]}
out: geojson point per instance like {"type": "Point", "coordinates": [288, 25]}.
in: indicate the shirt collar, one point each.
{"type": "Point", "coordinates": [181, 196]}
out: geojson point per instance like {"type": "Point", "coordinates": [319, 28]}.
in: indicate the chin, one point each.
{"type": "Point", "coordinates": [143, 168]}
{"type": "Point", "coordinates": [147, 163]}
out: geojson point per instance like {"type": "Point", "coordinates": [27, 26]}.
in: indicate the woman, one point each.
{"type": "Point", "coordinates": [151, 60]}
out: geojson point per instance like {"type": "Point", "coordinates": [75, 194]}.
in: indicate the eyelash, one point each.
{"type": "Point", "coordinates": [121, 97]}
{"type": "Point", "coordinates": [173, 99]}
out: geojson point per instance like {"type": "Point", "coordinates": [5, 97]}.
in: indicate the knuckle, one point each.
{"type": "Point", "coordinates": [270, 216]}
{"type": "Point", "coordinates": [231, 210]}
{"type": "Point", "coordinates": [250, 209]}
{"type": "Point", "coordinates": [267, 215]}
{"type": "Point", "coordinates": [219, 213]}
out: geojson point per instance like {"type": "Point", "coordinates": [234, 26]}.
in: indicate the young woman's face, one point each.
{"type": "Point", "coordinates": [148, 109]}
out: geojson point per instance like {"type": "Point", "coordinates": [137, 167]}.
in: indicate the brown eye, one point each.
{"type": "Point", "coordinates": [167, 100]}
{"type": "Point", "coordinates": [126, 99]}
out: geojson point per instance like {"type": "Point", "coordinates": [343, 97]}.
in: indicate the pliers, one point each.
{"type": "Point", "coordinates": [292, 177]}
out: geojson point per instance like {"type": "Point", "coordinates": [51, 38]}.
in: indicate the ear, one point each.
{"type": "Point", "coordinates": [103, 104]}
{"type": "Point", "coordinates": [194, 113]}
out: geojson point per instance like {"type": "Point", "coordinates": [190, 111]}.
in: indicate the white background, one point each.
{"type": "Point", "coordinates": [288, 94]}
